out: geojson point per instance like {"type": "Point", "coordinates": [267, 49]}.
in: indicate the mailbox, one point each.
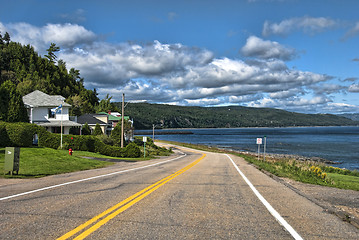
{"type": "Point", "coordinates": [12, 160]}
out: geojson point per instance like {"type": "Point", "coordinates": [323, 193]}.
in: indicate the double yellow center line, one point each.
{"type": "Point", "coordinates": [96, 222]}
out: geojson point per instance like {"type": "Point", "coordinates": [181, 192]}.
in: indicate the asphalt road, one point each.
{"type": "Point", "coordinates": [192, 196]}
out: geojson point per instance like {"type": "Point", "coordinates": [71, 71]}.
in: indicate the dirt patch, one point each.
{"type": "Point", "coordinates": [341, 202]}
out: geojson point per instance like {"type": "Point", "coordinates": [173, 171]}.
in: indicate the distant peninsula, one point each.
{"type": "Point", "coordinates": [170, 116]}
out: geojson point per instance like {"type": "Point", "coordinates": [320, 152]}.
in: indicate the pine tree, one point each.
{"type": "Point", "coordinates": [98, 130]}
{"type": "Point", "coordinates": [86, 129]}
{"type": "Point", "coordinates": [51, 52]}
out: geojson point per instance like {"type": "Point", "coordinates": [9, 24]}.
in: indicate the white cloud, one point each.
{"type": "Point", "coordinates": [64, 35]}
{"type": "Point", "coordinates": [309, 25]}
{"type": "Point", "coordinates": [352, 32]}
{"type": "Point", "coordinates": [257, 47]}
{"type": "Point", "coordinates": [354, 88]}
{"type": "Point", "coordinates": [183, 75]}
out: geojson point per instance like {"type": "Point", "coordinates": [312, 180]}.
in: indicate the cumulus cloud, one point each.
{"type": "Point", "coordinates": [178, 74]}
{"type": "Point", "coordinates": [265, 49]}
{"type": "Point", "coordinates": [64, 35]}
{"type": "Point", "coordinates": [354, 88]}
{"type": "Point", "coordinates": [309, 25]}
{"type": "Point", "coordinates": [327, 88]}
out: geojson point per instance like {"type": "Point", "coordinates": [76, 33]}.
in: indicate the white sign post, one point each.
{"type": "Point", "coordinates": [144, 146]}
{"type": "Point", "coordinates": [259, 142]}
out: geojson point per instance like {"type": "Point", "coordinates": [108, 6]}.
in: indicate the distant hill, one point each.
{"type": "Point", "coordinates": [352, 116]}
{"type": "Point", "coordinates": [169, 116]}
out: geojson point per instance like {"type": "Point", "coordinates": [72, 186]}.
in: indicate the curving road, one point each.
{"type": "Point", "coordinates": [189, 195]}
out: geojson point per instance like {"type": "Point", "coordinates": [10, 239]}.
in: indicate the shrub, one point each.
{"type": "Point", "coordinates": [17, 134]}
{"type": "Point", "coordinates": [116, 135]}
{"type": "Point", "coordinates": [133, 151]}
{"type": "Point", "coordinates": [86, 129]}
{"type": "Point", "coordinates": [50, 140]}
{"type": "Point", "coordinates": [4, 138]}
{"type": "Point", "coordinates": [106, 139]}
{"type": "Point", "coordinates": [98, 130]}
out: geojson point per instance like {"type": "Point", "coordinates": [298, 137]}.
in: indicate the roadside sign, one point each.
{"type": "Point", "coordinates": [144, 139]}
{"type": "Point", "coordinates": [259, 140]}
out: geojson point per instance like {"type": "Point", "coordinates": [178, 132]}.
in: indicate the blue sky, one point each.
{"type": "Point", "coordinates": [300, 56]}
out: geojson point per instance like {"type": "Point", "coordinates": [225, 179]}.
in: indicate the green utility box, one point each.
{"type": "Point", "coordinates": [12, 160]}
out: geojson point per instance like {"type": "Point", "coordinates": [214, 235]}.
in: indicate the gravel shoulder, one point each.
{"type": "Point", "coordinates": [340, 202]}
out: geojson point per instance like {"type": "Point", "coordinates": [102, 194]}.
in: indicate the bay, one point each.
{"type": "Point", "coordinates": [338, 144]}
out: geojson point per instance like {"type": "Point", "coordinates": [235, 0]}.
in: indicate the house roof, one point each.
{"type": "Point", "coordinates": [41, 99]}
{"type": "Point", "coordinates": [114, 118]}
{"type": "Point", "coordinates": [90, 119]}
{"type": "Point", "coordinates": [57, 123]}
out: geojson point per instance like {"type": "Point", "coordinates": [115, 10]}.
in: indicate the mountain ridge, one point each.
{"type": "Point", "coordinates": [172, 116]}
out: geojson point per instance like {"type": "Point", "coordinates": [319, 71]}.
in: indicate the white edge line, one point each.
{"type": "Point", "coordinates": [87, 179]}
{"type": "Point", "coordinates": [275, 214]}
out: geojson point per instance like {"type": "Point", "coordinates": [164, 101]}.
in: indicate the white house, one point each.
{"type": "Point", "coordinates": [39, 105]}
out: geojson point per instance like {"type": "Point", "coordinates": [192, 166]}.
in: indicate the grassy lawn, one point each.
{"type": "Point", "coordinates": [345, 181]}
{"type": "Point", "coordinates": [40, 162]}
{"type": "Point", "coordinates": [307, 172]}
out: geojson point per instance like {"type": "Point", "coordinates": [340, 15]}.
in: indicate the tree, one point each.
{"type": "Point", "coordinates": [12, 108]}
{"type": "Point", "coordinates": [105, 105]}
{"type": "Point", "coordinates": [116, 132]}
{"type": "Point", "coordinates": [98, 130]}
{"type": "Point", "coordinates": [116, 135]}
{"type": "Point", "coordinates": [86, 129]}
{"type": "Point", "coordinates": [51, 52]}
{"type": "Point", "coordinates": [7, 38]}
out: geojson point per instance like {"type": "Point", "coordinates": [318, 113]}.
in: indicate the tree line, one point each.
{"type": "Point", "coordinates": [23, 70]}
{"type": "Point", "coordinates": [169, 116]}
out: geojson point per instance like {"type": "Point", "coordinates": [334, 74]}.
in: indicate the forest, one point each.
{"type": "Point", "coordinates": [169, 116]}
{"type": "Point", "coordinates": [23, 70]}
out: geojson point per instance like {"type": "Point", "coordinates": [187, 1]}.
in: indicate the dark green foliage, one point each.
{"type": "Point", "coordinates": [106, 139]}
{"type": "Point", "coordinates": [106, 105]}
{"type": "Point", "coordinates": [50, 140]}
{"type": "Point", "coordinates": [86, 129]}
{"type": "Point", "coordinates": [17, 134]}
{"type": "Point", "coordinates": [133, 151]}
{"type": "Point", "coordinates": [116, 135]}
{"type": "Point", "coordinates": [87, 143]}
{"type": "Point", "coordinates": [168, 116]}
{"type": "Point", "coordinates": [98, 130]}
{"type": "Point", "coordinates": [28, 71]}
{"type": "Point", "coordinates": [151, 148]}
{"type": "Point", "coordinates": [4, 137]}
{"type": "Point", "coordinates": [51, 52]}
{"type": "Point", "coordinates": [12, 107]}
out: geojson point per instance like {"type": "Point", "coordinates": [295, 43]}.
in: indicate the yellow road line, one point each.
{"type": "Point", "coordinates": [122, 206]}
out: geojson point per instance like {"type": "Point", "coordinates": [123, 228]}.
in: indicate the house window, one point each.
{"type": "Point", "coordinates": [51, 114]}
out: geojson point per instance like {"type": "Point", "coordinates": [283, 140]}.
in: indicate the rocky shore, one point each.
{"type": "Point", "coordinates": [295, 157]}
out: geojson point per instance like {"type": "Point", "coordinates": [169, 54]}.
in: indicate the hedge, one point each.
{"type": "Point", "coordinates": [17, 134]}
{"type": "Point", "coordinates": [21, 135]}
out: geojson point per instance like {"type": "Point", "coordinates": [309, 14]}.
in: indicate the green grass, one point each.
{"type": "Point", "coordinates": [40, 162]}
{"type": "Point", "coordinates": [345, 181]}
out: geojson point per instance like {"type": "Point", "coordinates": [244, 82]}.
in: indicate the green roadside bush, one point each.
{"type": "Point", "coordinates": [17, 134]}
{"type": "Point", "coordinates": [21, 135]}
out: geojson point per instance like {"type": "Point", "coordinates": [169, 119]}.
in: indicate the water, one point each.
{"type": "Point", "coordinates": [339, 144]}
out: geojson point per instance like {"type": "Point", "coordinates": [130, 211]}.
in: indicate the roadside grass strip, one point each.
{"type": "Point", "coordinates": [272, 211]}
{"type": "Point", "coordinates": [101, 219]}
{"type": "Point", "coordinates": [87, 179]}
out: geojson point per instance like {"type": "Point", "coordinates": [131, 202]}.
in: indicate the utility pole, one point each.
{"type": "Point", "coordinates": [122, 118]}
